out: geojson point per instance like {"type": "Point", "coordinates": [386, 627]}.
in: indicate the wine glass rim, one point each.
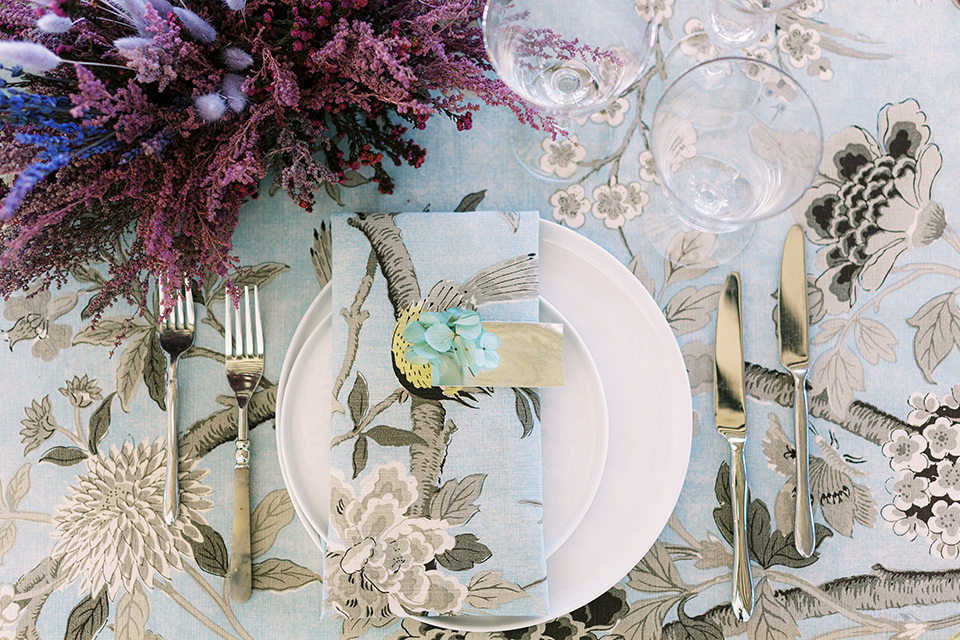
{"type": "Point", "coordinates": [736, 5]}
{"type": "Point", "coordinates": [672, 195]}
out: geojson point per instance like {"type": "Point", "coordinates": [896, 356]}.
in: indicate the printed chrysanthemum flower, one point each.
{"type": "Point", "coordinates": [111, 529]}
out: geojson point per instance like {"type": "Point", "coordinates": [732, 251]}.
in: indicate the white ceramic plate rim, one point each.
{"type": "Point", "coordinates": [567, 497]}
{"type": "Point", "coordinates": [622, 323]}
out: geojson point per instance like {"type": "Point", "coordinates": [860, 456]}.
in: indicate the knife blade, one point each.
{"type": "Point", "coordinates": [795, 357]}
{"type": "Point", "coordinates": [732, 425]}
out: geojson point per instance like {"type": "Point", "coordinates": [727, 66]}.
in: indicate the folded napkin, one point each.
{"type": "Point", "coordinates": [436, 491]}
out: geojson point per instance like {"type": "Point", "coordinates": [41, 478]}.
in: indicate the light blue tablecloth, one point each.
{"type": "Point", "coordinates": [81, 465]}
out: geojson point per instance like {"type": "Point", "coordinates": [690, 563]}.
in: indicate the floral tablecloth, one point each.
{"type": "Point", "coordinates": [83, 550]}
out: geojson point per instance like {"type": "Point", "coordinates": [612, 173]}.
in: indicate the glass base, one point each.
{"type": "Point", "coordinates": [565, 159]}
{"type": "Point", "coordinates": [688, 246]}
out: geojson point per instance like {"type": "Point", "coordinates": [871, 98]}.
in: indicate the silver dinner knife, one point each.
{"type": "Point", "coordinates": [732, 425]}
{"type": "Point", "coordinates": [795, 357]}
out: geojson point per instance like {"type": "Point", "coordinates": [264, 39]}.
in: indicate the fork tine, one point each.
{"type": "Point", "coordinates": [248, 347]}
{"type": "Point", "coordinates": [189, 291]}
{"type": "Point", "coordinates": [179, 308]}
{"type": "Point", "coordinates": [237, 335]}
{"type": "Point", "coordinates": [228, 330]}
{"type": "Point", "coordinates": [259, 329]}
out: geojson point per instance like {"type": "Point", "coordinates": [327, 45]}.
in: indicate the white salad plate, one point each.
{"type": "Point", "coordinates": [620, 329]}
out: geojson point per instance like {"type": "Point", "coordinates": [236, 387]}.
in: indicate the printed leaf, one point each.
{"type": "Point", "coordinates": [838, 372]}
{"type": "Point", "coordinates": [639, 270]}
{"type": "Point", "coordinates": [689, 310]}
{"type": "Point", "coordinates": [656, 573]}
{"type": "Point", "coordinates": [273, 513]}
{"type": "Point", "coordinates": [353, 628]}
{"type": "Point", "coordinates": [693, 628]}
{"type": "Point", "coordinates": [771, 620]}
{"type": "Point", "coordinates": [133, 609]}
{"type": "Point", "coordinates": [321, 254]}
{"type": "Point", "coordinates": [512, 218]}
{"type": "Point", "coordinates": [155, 372]}
{"type": "Point", "coordinates": [829, 330]}
{"type": "Point", "coordinates": [392, 437]}
{"type": "Point", "coordinates": [466, 552]}
{"type": "Point", "coordinates": [87, 275]}
{"type": "Point", "coordinates": [333, 190]}
{"type": "Point", "coordinates": [130, 370]}
{"type": "Point", "coordinates": [88, 617]}
{"type": "Point", "coordinates": [18, 486]}
{"type": "Point", "coordinates": [99, 424]}
{"type": "Point", "coordinates": [358, 400]}
{"type": "Point", "coordinates": [688, 256]}
{"type": "Point", "coordinates": [8, 537]}
{"type": "Point", "coordinates": [454, 501]}
{"type": "Point", "coordinates": [875, 341]}
{"type": "Point", "coordinates": [275, 574]}
{"type": "Point", "coordinates": [938, 329]}
{"type": "Point", "coordinates": [106, 332]}
{"type": "Point", "coordinates": [260, 274]}
{"type": "Point", "coordinates": [471, 201]}
{"type": "Point", "coordinates": [645, 618]}
{"type": "Point", "coordinates": [524, 413]}
{"type": "Point", "coordinates": [488, 590]}
{"type": "Point", "coordinates": [64, 456]}
{"type": "Point", "coordinates": [359, 455]}
{"type": "Point", "coordinates": [534, 395]}
{"type": "Point", "coordinates": [353, 179]}
{"type": "Point", "coordinates": [211, 553]}
{"type": "Point", "coordinates": [781, 549]}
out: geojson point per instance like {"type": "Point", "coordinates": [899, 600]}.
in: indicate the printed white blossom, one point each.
{"type": "Point", "coordinates": [807, 8]}
{"type": "Point", "coordinates": [943, 437]}
{"type": "Point", "coordinates": [561, 156]}
{"type": "Point", "coordinates": [696, 43]}
{"type": "Point", "coordinates": [570, 206]}
{"type": "Point", "coordinates": [800, 44]}
{"type": "Point", "coordinates": [924, 405]}
{"type": "Point", "coordinates": [906, 451]}
{"type": "Point", "coordinates": [946, 523]}
{"type": "Point", "coordinates": [658, 11]}
{"type": "Point", "coordinates": [648, 168]}
{"type": "Point", "coordinates": [948, 480]}
{"type": "Point", "coordinates": [612, 115]}
{"type": "Point", "coordinates": [637, 197]}
{"type": "Point", "coordinates": [910, 490]}
{"type": "Point", "coordinates": [612, 205]}
{"type": "Point", "coordinates": [111, 530]}
{"type": "Point", "coordinates": [908, 526]}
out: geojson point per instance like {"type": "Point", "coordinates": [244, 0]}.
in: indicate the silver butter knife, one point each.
{"type": "Point", "coordinates": [732, 425]}
{"type": "Point", "coordinates": [795, 357]}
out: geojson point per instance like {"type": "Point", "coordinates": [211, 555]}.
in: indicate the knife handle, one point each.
{"type": "Point", "coordinates": [804, 538]}
{"type": "Point", "coordinates": [742, 599]}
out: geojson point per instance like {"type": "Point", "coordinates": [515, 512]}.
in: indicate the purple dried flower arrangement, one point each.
{"type": "Point", "coordinates": [135, 129]}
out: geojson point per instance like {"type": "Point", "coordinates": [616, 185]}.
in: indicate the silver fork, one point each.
{"type": "Point", "coordinates": [176, 332]}
{"type": "Point", "coordinates": [244, 352]}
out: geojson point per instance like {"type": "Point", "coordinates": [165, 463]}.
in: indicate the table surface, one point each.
{"type": "Point", "coordinates": [80, 543]}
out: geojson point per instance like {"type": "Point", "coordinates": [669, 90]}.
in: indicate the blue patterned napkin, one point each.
{"type": "Point", "coordinates": [436, 492]}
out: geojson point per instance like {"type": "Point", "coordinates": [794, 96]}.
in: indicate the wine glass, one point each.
{"type": "Point", "coordinates": [734, 141]}
{"type": "Point", "coordinates": [568, 59]}
{"type": "Point", "coordinates": [737, 24]}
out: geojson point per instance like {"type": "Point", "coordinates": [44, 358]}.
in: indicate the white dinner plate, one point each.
{"type": "Point", "coordinates": [650, 419]}
{"type": "Point", "coordinates": [575, 435]}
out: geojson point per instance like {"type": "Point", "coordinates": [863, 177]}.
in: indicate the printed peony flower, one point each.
{"type": "Point", "coordinates": [561, 156]}
{"type": "Point", "coordinates": [908, 526]}
{"type": "Point", "coordinates": [612, 115]}
{"type": "Point", "coordinates": [906, 451]}
{"type": "Point", "coordinates": [570, 206]}
{"type": "Point", "coordinates": [943, 437]}
{"type": "Point", "coordinates": [376, 559]}
{"type": "Point", "coordinates": [658, 11]}
{"type": "Point", "coordinates": [873, 203]}
{"type": "Point", "coordinates": [9, 610]}
{"type": "Point", "coordinates": [910, 491]}
{"type": "Point", "coordinates": [801, 45]}
{"type": "Point", "coordinates": [111, 530]}
{"type": "Point", "coordinates": [945, 523]}
{"type": "Point", "coordinates": [947, 482]}
{"type": "Point", "coordinates": [34, 316]}
{"type": "Point", "coordinates": [81, 392]}
{"type": "Point", "coordinates": [612, 205]}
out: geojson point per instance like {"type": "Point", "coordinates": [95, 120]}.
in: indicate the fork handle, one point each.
{"type": "Point", "coordinates": [171, 485]}
{"type": "Point", "coordinates": [804, 538]}
{"type": "Point", "coordinates": [240, 568]}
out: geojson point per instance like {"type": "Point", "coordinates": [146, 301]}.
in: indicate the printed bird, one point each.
{"type": "Point", "coordinates": [512, 279]}
{"type": "Point", "coordinates": [842, 501]}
